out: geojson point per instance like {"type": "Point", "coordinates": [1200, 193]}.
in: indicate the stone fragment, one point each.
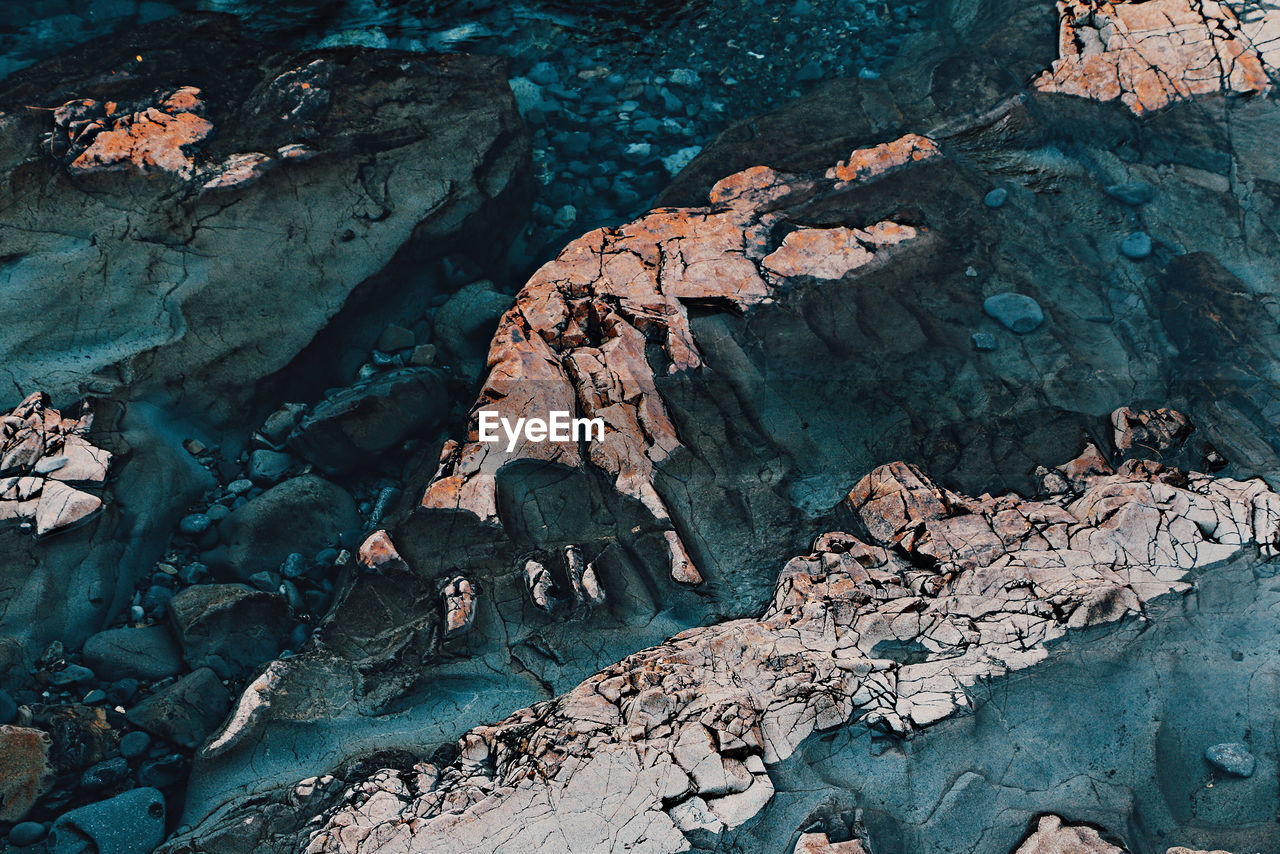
{"type": "Point", "coordinates": [1017, 312]}
{"type": "Point", "coordinates": [1232, 757]}
{"type": "Point", "coordinates": [983, 342]}
{"type": "Point", "coordinates": [459, 606]}
{"type": "Point", "coordinates": [537, 581]}
{"type": "Point", "coordinates": [185, 712]}
{"type": "Point", "coordinates": [27, 773]}
{"type": "Point", "coordinates": [269, 467]}
{"type": "Point", "coordinates": [26, 833]}
{"type": "Point", "coordinates": [130, 823]}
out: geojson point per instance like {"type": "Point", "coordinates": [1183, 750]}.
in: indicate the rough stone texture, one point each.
{"type": "Point", "coordinates": [140, 653]}
{"type": "Point", "coordinates": [185, 712]}
{"type": "Point", "coordinates": [1053, 836]}
{"type": "Point", "coordinates": [24, 755]}
{"type": "Point", "coordinates": [188, 149]}
{"type": "Point", "coordinates": [43, 456]}
{"type": "Point", "coordinates": [678, 738]}
{"type": "Point", "coordinates": [229, 628]}
{"type": "Point", "coordinates": [1150, 53]}
{"type": "Point", "coordinates": [130, 823]}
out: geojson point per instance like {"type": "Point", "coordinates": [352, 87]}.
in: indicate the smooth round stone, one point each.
{"type": "Point", "coordinates": [984, 341]}
{"type": "Point", "coordinates": [195, 524]}
{"type": "Point", "coordinates": [240, 487]}
{"type": "Point", "coordinates": [1017, 312]}
{"type": "Point", "coordinates": [1232, 757]}
{"type": "Point", "coordinates": [326, 557]}
{"type": "Point", "coordinates": [218, 512]}
{"type": "Point", "coordinates": [136, 613]}
{"type": "Point", "coordinates": [996, 198]}
{"type": "Point", "coordinates": [1136, 246]}
{"type": "Point", "coordinates": [134, 744]}
{"type": "Point", "coordinates": [26, 833]}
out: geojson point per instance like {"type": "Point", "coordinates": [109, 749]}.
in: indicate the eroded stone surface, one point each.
{"type": "Point", "coordinates": [578, 337]}
{"type": "Point", "coordinates": [1149, 54]}
{"type": "Point", "coordinates": [678, 738]}
{"type": "Point", "coordinates": [41, 455]}
{"type": "Point", "coordinates": [1054, 836]}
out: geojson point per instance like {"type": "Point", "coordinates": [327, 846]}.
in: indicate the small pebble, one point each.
{"type": "Point", "coordinates": [195, 524]}
{"type": "Point", "coordinates": [137, 613]}
{"type": "Point", "coordinates": [1017, 312]}
{"type": "Point", "coordinates": [240, 487]}
{"type": "Point", "coordinates": [1136, 246]}
{"type": "Point", "coordinates": [26, 833]}
{"type": "Point", "coordinates": [71, 675]}
{"type": "Point", "coordinates": [984, 341]}
{"type": "Point", "coordinates": [996, 198]}
{"type": "Point", "coordinates": [294, 565]}
{"type": "Point", "coordinates": [134, 744]}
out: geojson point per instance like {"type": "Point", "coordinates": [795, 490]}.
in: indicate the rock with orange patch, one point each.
{"type": "Point", "coordinates": [24, 756]}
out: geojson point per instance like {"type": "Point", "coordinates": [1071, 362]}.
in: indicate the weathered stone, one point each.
{"type": "Point", "coordinates": [28, 775]}
{"type": "Point", "coordinates": [371, 417]}
{"type": "Point", "coordinates": [185, 712]}
{"type": "Point", "coordinates": [142, 653]}
{"type": "Point", "coordinates": [1136, 246]}
{"type": "Point", "coordinates": [1017, 312]}
{"type": "Point", "coordinates": [1154, 430]}
{"type": "Point", "coordinates": [1053, 836]}
{"type": "Point", "coordinates": [229, 628]}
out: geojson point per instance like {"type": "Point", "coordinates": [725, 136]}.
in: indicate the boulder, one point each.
{"type": "Point", "coordinates": [130, 823]}
{"type": "Point", "coordinates": [229, 628]}
{"type": "Point", "coordinates": [178, 146]}
{"type": "Point", "coordinates": [304, 514]}
{"type": "Point", "coordinates": [147, 653]}
{"type": "Point", "coordinates": [185, 712]}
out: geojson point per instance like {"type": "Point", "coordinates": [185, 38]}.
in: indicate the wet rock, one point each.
{"type": "Point", "coordinates": [1053, 836]}
{"type": "Point", "coordinates": [229, 628]}
{"type": "Point", "coordinates": [1234, 758]}
{"type": "Point", "coordinates": [130, 823]}
{"type": "Point", "coordinates": [1017, 312]}
{"type": "Point", "coordinates": [185, 712]}
{"type": "Point", "coordinates": [363, 421]}
{"type": "Point", "coordinates": [996, 198]}
{"type": "Point", "coordinates": [210, 128]}
{"type": "Point", "coordinates": [143, 653]}
{"type": "Point", "coordinates": [303, 514]}
{"type": "Point", "coordinates": [72, 674]}
{"type": "Point", "coordinates": [1136, 246]}
{"type": "Point", "coordinates": [28, 774]}
{"type": "Point", "coordinates": [983, 341]}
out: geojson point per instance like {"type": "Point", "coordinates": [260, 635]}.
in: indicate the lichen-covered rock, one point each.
{"type": "Point", "coordinates": [24, 755]}
{"type": "Point", "coordinates": [678, 738]}
{"type": "Point", "coordinates": [1148, 54]}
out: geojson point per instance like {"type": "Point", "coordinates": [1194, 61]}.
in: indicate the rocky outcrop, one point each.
{"type": "Point", "coordinates": [43, 457]}
{"type": "Point", "coordinates": [169, 156]}
{"type": "Point", "coordinates": [678, 739]}
{"type": "Point", "coordinates": [1149, 54]}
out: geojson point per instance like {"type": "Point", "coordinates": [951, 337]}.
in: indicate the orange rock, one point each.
{"type": "Point", "coordinates": [24, 756]}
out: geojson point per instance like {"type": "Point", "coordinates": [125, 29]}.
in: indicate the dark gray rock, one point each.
{"type": "Point", "coordinates": [195, 524]}
{"type": "Point", "coordinates": [129, 823]}
{"type": "Point", "coordinates": [395, 337]}
{"type": "Point", "coordinates": [1232, 757]}
{"type": "Point", "coordinates": [303, 514]}
{"type": "Point", "coordinates": [26, 833]}
{"type": "Point", "coordinates": [229, 627]}
{"type": "Point", "coordinates": [1017, 312]}
{"type": "Point", "coordinates": [372, 416]}
{"type": "Point", "coordinates": [464, 324]}
{"type": "Point", "coordinates": [134, 744]}
{"type": "Point", "coordinates": [105, 774]}
{"type": "Point", "coordinates": [144, 653]}
{"type": "Point", "coordinates": [72, 674]}
{"type": "Point", "coordinates": [983, 341]}
{"type": "Point", "coordinates": [269, 467]}
{"type": "Point", "coordinates": [185, 712]}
